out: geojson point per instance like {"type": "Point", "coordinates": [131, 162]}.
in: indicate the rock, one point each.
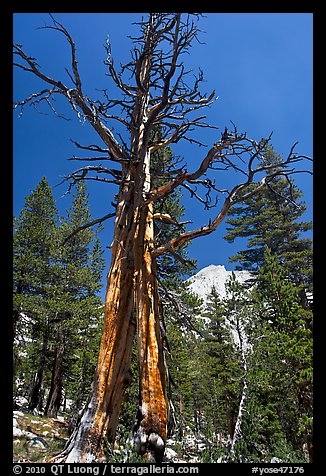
{"type": "Point", "coordinates": [155, 440]}
{"type": "Point", "coordinates": [38, 442]}
{"type": "Point", "coordinates": [29, 435]}
{"type": "Point", "coordinates": [46, 425]}
{"type": "Point", "coordinates": [201, 446]}
{"type": "Point", "coordinates": [59, 419]}
{"type": "Point", "coordinates": [170, 454]}
{"type": "Point", "coordinates": [17, 432]}
{"type": "Point", "coordinates": [201, 283]}
{"type": "Point", "coordinates": [170, 442]}
{"type": "Point", "coordinates": [69, 404]}
{"type": "Point", "coordinates": [14, 423]}
{"type": "Point", "coordinates": [194, 459]}
{"type": "Point", "coordinates": [18, 413]}
{"type": "Point", "coordinates": [275, 460]}
{"type": "Point", "coordinates": [21, 401]}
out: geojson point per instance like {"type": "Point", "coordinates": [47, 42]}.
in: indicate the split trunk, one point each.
{"type": "Point", "coordinates": [131, 284]}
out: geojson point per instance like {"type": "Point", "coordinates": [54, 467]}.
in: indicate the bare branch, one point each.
{"type": "Point", "coordinates": [99, 169]}
{"type": "Point", "coordinates": [88, 225]}
{"type": "Point", "coordinates": [182, 260]}
{"type": "Point", "coordinates": [34, 68]}
{"type": "Point", "coordinates": [82, 174]}
{"type": "Point", "coordinates": [213, 153]}
{"type": "Point", "coordinates": [174, 301]}
{"type": "Point", "coordinates": [166, 218]}
{"type": "Point", "coordinates": [190, 235]}
{"type": "Point", "coordinates": [236, 194]}
{"type": "Point", "coordinates": [74, 64]}
{"type": "Point", "coordinates": [74, 96]}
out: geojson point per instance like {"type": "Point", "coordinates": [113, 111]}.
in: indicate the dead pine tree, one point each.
{"type": "Point", "coordinates": [155, 91]}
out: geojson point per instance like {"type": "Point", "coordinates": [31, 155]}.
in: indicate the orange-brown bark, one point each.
{"type": "Point", "coordinates": [112, 374]}
{"type": "Point", "coordinates": [150, 430]}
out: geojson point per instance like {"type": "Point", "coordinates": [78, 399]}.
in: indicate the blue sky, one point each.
{"type": "Point", "coordinates": [260, 65]}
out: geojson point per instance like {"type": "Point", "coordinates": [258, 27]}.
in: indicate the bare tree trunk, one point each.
{"type": "Point", "coordinates": [112, 374]}
{"type": "Point", "coordinates": [237, 430]}
{"type": "Point", "coordinates": [150, 429]}
{"type": "Point", "coordinates": [244, 397]}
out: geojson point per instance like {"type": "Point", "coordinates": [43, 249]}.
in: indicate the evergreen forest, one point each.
{"type": "Point", "coordinates": [152, 372]}
{"type": "Point", "coordinates": [239, 367]}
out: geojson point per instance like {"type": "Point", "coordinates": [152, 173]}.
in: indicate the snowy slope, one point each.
{"type": "Point", "coordinates": [202, 282]}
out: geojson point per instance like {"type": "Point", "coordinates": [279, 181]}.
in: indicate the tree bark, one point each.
{"type": "Point", "coordinates": [112, 374]}
{"type": "Point", "coordinates": [150, 430]}
{"type": "Point", "coordinates": [244, 396]}
{"type": "Point", "coordinates": [35, 399]}
{"type": "Point", "coordinates": [132, 276]}
{"type": "Point", "coordinates": [228, 411]}
{"type": "Point", "coordinates": [54, 398]}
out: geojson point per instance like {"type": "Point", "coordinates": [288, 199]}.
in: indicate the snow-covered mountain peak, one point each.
{"type": "Point", "coordinates": [214, 275]}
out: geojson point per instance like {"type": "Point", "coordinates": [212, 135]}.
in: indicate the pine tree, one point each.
{"type": "Point", "coordinates": [224, 366]}
{"type": "Point", "coordinates": [272, 219]}
{"type": "Point", "coordinates": [184, 361]}
{"type": "Point", "coordinates": [33, 248]}
{"type": "Point", "coordinates": [168, 213]}
{"type": "Point", "coordinates": [76, 307]}
{"type": "Point", "coordinates": [279, 413]}
{"type": "Point", "coordinates": [35, 235]}
{"type": "Point", "coordinates": [238, 312]}
{"type": "Point", "coordinates": [56, 306]}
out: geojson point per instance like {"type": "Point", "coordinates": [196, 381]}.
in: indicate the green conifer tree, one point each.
{"type": "Point", "coordinates": [35, 234]}
{"type": "Point", "coordinates": [278, 421]}
{"type": "Point", "coordinates": [185, 362]}
{"type": "Point", "coordinates": [169, 212]}
{"type": "Point", "coordinates": [223, 364]}
{"type": "Point", "coordinates": [76, 307]}
{"type": "Point", "coordinates": [273, 219]}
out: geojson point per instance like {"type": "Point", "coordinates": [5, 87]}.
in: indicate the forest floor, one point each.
{"type": "Point", "coordinates": [37, 438]}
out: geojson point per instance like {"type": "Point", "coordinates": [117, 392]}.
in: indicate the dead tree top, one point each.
{"type": "Point", "coordinates": [156, 91]}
